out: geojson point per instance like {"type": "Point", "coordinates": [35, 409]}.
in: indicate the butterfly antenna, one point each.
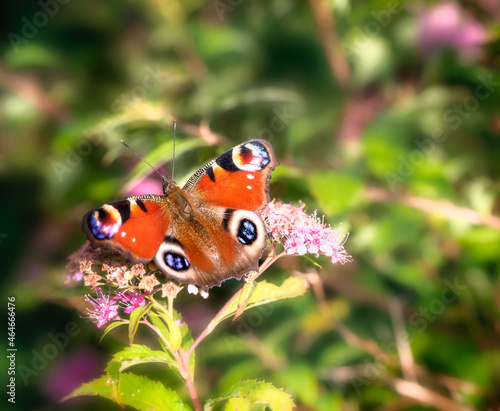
{"type": "Point", "coordinates": [142, 158]}
{"type": "Point", "coordinates": [173, 152]}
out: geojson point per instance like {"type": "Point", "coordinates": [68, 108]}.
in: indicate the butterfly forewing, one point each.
{"type": "Point", "coordinates": [135, 226]}
{"type": "Point", "coordinates": [238, 178]}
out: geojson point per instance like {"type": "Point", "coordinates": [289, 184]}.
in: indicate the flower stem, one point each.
{"type": "Point", "coordinates": [183, 362]}
{"type": "Point", "coordinates": [158, 332]}
{"type": "Point", "coordinates": [213, 323]}
{"type": "Point", "coordinates": [170, 305]}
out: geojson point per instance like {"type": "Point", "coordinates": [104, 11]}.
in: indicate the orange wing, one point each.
{"type": "Point", "coordinates": [134, 226]}
{"type": "Point", "coordinates": [238, 178]}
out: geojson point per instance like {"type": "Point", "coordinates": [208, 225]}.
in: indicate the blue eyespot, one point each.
{"type": "Point", "coordinates": [262, 153]}
{"type": "Point", "coordinates": [176, 262]}
{"type": "Point", "coordinates": [247, 232]}
{"type": "Point", "coordinates": [102, 231]}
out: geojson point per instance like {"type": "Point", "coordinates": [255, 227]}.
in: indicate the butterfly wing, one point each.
{"type": "Point", "coordinates": [216, 245]}
{"type": "Point", "coordinates": [134, 226]}
{"type": "Point", "coordinates": [238, 178]}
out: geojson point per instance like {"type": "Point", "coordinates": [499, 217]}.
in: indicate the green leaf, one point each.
{"type": "Point", "coordinates": [167, 326]}
{"type": "Point", "coordinates": [252, 393]}
{"type": "Point", "coordinates": [301, 381]}
{"type": "Point", "coordinates": [186, 338]}
{"type": "Point", "coordinates": [129, 356]}
{"type": "Point", "coordinates": [135, 391]}
{"type": "Point", "coordinates": [246, 292]}
{"type": "Point", "coordinates": [335, 192]}
{"type": "Point", "coordinates": [481, 243]}
{"type": "Point", "coordinates": [112, 326]}
{"type": "Point", "coordinates": [385, 144]}
{"type": "Point", "coordinates": [135, 317]}
{"type": "Point", "coordinates": [265, 293]}
{"type": "Point", "coordinates": [238, 404]}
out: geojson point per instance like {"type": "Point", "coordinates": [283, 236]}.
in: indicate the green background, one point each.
{"type": "Point", "coordinates": [383, 119]}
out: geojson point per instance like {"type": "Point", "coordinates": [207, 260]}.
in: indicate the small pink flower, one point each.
{"type": "Point", "coordinates": [105, 309]}
{"type": "Point", "coordinates": [130, 301]}
{"type": "Point", "coordinates": [295, 245]}
{"type": "Point", "coordinates": [326, 249]}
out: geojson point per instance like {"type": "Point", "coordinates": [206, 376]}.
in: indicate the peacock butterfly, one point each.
{"type": "Point", "coordinates": [202, 234]}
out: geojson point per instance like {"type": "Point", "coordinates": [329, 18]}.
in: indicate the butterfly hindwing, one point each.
{"type": "Point", "coordinates": [213, 247]}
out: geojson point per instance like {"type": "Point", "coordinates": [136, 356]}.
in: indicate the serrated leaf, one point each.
{"type": "Point", "coordinates": [135, 317]}
{"type": "Point", "coordinates": [136, 391]}
{"type": "Point", "coordinates": [254, 393]}
{"type": "Point", "coordinates": [129, 356]}
{"type": "Point", "coordinates": [265, 293]}
{"type": "Point", "coordinates": [167, 327]}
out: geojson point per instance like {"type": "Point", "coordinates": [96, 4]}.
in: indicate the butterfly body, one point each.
{"type": "Point", "coordinates": [202, 234]}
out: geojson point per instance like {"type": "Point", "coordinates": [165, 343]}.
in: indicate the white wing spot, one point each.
{"type": "Point", "coordinates": [249, 187]}
{"type": "Point", "coordinates": [192, 289]}
{"type": "Point", "coordinates": [133, 240]}
{"type": "Point", "coordinates": [123, 233]}
{"type": "Point", "coordinates": [250, 176]}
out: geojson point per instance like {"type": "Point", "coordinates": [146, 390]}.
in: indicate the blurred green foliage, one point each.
{"type": "Point", "coordinates": [402, 149]}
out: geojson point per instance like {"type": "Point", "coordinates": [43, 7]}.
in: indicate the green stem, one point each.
{"type": "Point", "coordinates": [158, 332]}
{"type": "Point", "coordinates": [183, 363]}
{"type": "Point", "coordinates": [213, 323]}
{"type": "Point", "coordinates": [170, 301]}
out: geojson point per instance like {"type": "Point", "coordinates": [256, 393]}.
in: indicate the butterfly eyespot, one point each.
{"type": "Point", "coordinates": [252, 156]}
{"type": "Point", "coordinates": [104, 223]}
{"type": "Point", "coordinates": [176, 262]}
{"type": "Point", "coordinates": [247, 232]}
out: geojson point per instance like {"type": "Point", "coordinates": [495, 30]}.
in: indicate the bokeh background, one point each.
{"type": "Point", "coordinates": [384, 115]}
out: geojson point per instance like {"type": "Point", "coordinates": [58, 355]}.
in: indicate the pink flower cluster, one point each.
{"type": "Point", "coordinates": [448, 25]}
{"type": "Point", "coordinates": [300, 233]}
{"type": "Point", "coordinates": [105, 307]}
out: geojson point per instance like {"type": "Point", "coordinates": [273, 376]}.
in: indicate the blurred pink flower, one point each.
{"type": "Point", "coordinates": [74, 277]}
{"type": "Point", "coordinates": [146, 186]}
{"type": "Point", "coordinates": [72, 370]}
{"type": "Point", "coordinates": [446, 25]}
